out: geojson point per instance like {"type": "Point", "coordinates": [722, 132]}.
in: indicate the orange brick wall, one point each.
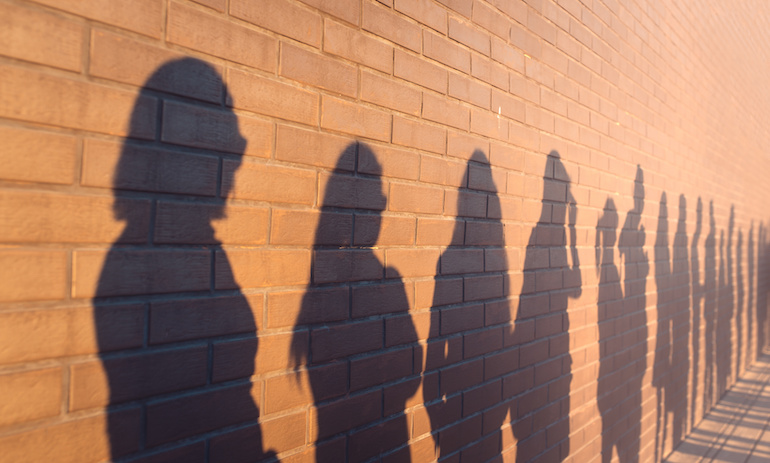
{"type": "Point", "coordinates": [395, 230]}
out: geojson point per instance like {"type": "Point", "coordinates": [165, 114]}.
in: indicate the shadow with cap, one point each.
{"type": "Point", "coordinates": [623, 342]}
{"type": "Point", "coordinates": [355, 304]}
{"type": "Point", "coordinates": [177, 379]}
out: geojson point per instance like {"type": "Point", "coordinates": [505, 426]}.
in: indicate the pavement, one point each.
{"type": "Point", "coordinates": [737, 430]}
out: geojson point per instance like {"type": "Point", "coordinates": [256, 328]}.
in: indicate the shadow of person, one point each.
{"type": "Point", "coordinates": [709, 311]}
{"type": "Point", "coordinates": [697, 310]}
{"type": "Point", "coordinates": [623, 342]}
{"type": "Point", "coordinates": [676, 402]}
{"type": "Point", "coordinates": [662, 372]}
{"type": "Point", "coordinates": [350, 390]}
{"type": "Point", "coordinates": [470, 318]}
{"type": "Point", "coordinates": [181, 354]}
{"type": "Point", "coordinates": [725, 311]}
{"type": "Point", "coordinates": [551, 276]}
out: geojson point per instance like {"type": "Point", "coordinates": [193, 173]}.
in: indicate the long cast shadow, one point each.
{"type": "Point", "coordinates": [551, 276]}
{"type": "Point", "coordinates": [697, 310]}
{"type": "Point", "coordinates": [662, 371]}
{"type": "Point", "coordinates": [676, 400]}
{"type": "Point", "coordinates": [623, 342]}
{"type": "Point", "coordinates": [180, 355]}
{"type": "Point", "coordinates": [354, 304]}
{"type": "Point", "coordinates": [709, 313]}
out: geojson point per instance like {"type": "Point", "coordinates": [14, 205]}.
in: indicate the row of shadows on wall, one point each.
{"type": "Point", "coordinates": [485, 380]}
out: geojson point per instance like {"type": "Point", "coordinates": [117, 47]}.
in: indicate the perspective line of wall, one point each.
{"type": "Point", "coordinates": [378, 230]}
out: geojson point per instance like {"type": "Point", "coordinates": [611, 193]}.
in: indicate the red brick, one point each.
{"type": "Point", "coordinates": [379, 230]}
{"type": "Point", "coordinates": [446, 52]}
{"type": "Point", "coordinates": [318, 70]}
{"type": "Point", "coordinates": [423, 73]}
{"type": "Point", "coordinates": [483, 287]}
{"type": "Point", "coordinates": [197, 127]}
{"type": "Point", "coordinates": [390, 93]}
{"type": "Point", "coordinates": [380, 368]}
{"type": "Point", "coordinates": [353, 45]}
{"type": "Point", "coordinates": [187, 319]}
{"type": "Point", "coordinates": [214, 35]}
{"type": "Point", "coordinates": [282, 17]}
{"type": "Point", "coordinates": [306, 307]}
{"type": "Point", "coordinates": [177, 418]}
{"type": "Point", "coordinates": [525, 40]}
{"type": "Point", "coordinates": [489, 71]}
{"type": "Point", "coordinates": [439, 292]}
{"type": "Point", "coordinates": [292, 389]}
{"type": "Point", "coordinates": [459, 319]}
{"type": "Point", "coordinates": [314, 148]}
{"type": "Point", "coordinates": [267, 182]}
{"type": "Point", "coordinates": [28, 95]}
{"type": "Point", "coordinates": [463, 7]}
{"type": "Point", "coordinates": [407, 132]}
{"type": "Point", "coordinates": [491, 20]}
{"type": "Point", "coordinates": [526, 88]}
{"type": "Point", "coordinates": [177, 222]}
{"type": "Point", "coordinates": [425, 12]}
{"type": "Point", "coordinates": [385, 23]}
{"type": "Point", "coordinates": [52, 218]}
{"type": "Point", "coordinates": [143, 16]}
{"type": "Point", "coordinates": [469, 90]}
{"type": "Point", "coordinates": [460, 261]}
{"type": "Point", "coordinates": [33, 275]}
{"type": "Point", "coordinates": [378, 439]}
{"type": "Point", "coordinates": [400, 329]}
{"type": "Point", "coordinates": [41, 37]}
{"type": "Point", "coordinates": [32, 395]}
{"type": "Point", "coordinates": [391, 162]}
{"type": "Point", "coordinates": [468, 35]}
{"type": "Point", "coordinates": [36, 156]}
{"type": "Point", "coordinates": [411, 262]}
{"type": "Point", "coordinates": [508, 106]}
{"type": "Point", "coordinates": [218, 5]}
{"type": "Point", "coordinates": [490, 125]}
{"type": "Point", "coordinates": [133, 167]}
{"type": "Point", "coordinates": [414, 198]}
{"type": "Point", "coordinates": [446, 171]}
{"type": "Point", "coordinates": [276, 435]}
{"type": "Point", "coordinates": [461, 376]}
{"type": "Point", "coordinates": [501, 363]}
{"type": "Point", "coordinates": [380, 299]}
{"type": "Point", "coordinates": [507, 55]}
{"type": "Point", "coordinates": [352, 192]}
{"type": "Point", "coordinates": [271, 98]}
{"type": "Point", "coordinates": [44, 334]}
{"type": "Point", "coordinates": [464, 146]}
{"type": "Point", "coordinates": [112, 381]}
{"type": "Point", "coordinates": [354, 119]}
{"type": "Point", "coordinates": [294, 227]}
{"type": "Point", "coordinates": [122, 59]}
{"type": "Point", "coordinates": [348, 413]}
{"type": "Point", "coordinates": [347, 10]}
{"type": "Point", "coordinates": [439, 232]}
{"type": "Point", "coordinates": [329, 343]}
{"type": "Point", "coordinates": [77, 440]}
{"type": "Point", "coordinates": [347, 265]}
{"type": "Point", "coordinates": [438, 109]}
{"type": "Point", "coordinates": [255, 268]}
{"type": "Point", "coordinates": [465, 204]}
{"type": "Point", "coordinates": [192, 453]}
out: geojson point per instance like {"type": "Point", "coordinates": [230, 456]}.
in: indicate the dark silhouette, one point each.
{"type": "Point", "coordinates": [762, 288]}
{"type": "Point", "coordinates": [709, 312]}
{"type": "Point", "coordinates": [474, 318]}
{"type": "Point", "coordinates": [726, 310]}
{"type": "Point", "coordinates": [550, 271]}
{"type": "Point", "coordinates": [662, 371]}
{"type": "Point", "coordinates": [751, 350]}
{"type": "Point", "coordinates": [697, 297]}
{"type": "Point", "coordinates": [378, 322]}
{"type": "Point", "coordinates": [135, 265]}
{"type": "Point", "coordinates": [739, 312]}
{"type": "Point", "coordinates": [676, 396]}
{"type": "Point", "coordinates": [623, 342]}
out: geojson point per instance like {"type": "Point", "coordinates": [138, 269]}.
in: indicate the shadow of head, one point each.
{"type": "Point", "coordinates": [207, 126]}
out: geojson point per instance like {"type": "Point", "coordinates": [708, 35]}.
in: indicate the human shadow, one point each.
{"type": "Point", "coordinates": [180, 378]}
{"type": "Point", "coordinates": [469, 344]}
{"type": "Point", "coordinates": [739, 308]}
{"type": "Point", "coordinates": [662, 371]}
{"type": "Point", "coordinates": [355, 305]}
{"type": "Point", "coordinates": [726, 309]}
{"type": "Point", "coordinates": [623, 342]}
{"type": "Point", "coordinates": [697, 298]}
{"type": "Point", "coordinates": [709, 312]}
{"type": "Point", "coordinates": [551, 276]}
{"type": "Point", "coordinates": [676, 400]}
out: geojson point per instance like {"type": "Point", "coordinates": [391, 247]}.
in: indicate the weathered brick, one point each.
{"type": "Point", "coordinates": [31, 395]}
{"type": "Point", "coordinates": [469, 90]}
{"type": "Point", "coordinates": [390, 93]}
{"type": "Point", "coordinates": [407, 132]}
{"type": "Point", "coordinates": [469, 36]}
{"type": "Point", "coordinates": [347, 10]}
{"type": "Point", "coordinates": [425, 12]}
{"type": "Point", "coordinates": [423, 73]}
{"type": "Point", "coordinates": [267, 182]}
{"type": "Point", "coordinates": [414, 198]}
{"type": "Point", "coordinates": [445, 52]}
{"type": "Point", "coordinates": [143, 16]}
{"type": "Point", "coordinates": [261, 267]}
{"type": "Point", "coordinates": [438, 109]}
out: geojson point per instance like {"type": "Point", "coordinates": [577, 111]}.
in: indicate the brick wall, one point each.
{"type": "Point", "coordinates": [395, 230]}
